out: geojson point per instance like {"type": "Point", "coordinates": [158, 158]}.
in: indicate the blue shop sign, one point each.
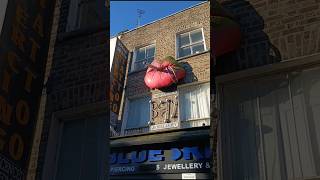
{"type": "Point", "coordinates": [173, 160]}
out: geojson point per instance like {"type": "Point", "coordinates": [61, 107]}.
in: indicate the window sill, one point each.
{"type": "Point", "coordinates": [185, 124]}
{"type": "Point", "coordinates": [192, 55]}
{"type": "Point", "coordinates": [80, 32]}
{"type": "Point", "coordinates": [134, 128]}
{"type": "Point", "coordinates": [137, 71]}
{"type": "Point", "coordinates": [174, 135]}
{"type": "Point", "coordinates": [197, 119]}
{"type": "Point", "coordinates": [161, 132]}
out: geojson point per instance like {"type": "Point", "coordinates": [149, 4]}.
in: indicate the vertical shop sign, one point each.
{"type": "Point", "coordinates": [118, 71]}
{"type": "Point", "coordinates": [24, 43]}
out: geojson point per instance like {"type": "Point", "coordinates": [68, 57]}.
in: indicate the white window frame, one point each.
{"type": "Point", "coordinates": [126, 112]}
{"type": "Point", "coordinates": [191, 86]}
{"type": "Point", "coordinates": [178, 47]}
{"type": "Point", "coordinates": [300, 63]}
{"type": "Point", "coordinates": [3, 10]}
{"type": "Point", "coordinates": [135, 53]}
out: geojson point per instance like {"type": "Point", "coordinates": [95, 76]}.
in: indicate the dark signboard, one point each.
{"type": "Point", "coordinates": [24, 42]}
{"type": "Point", "coordinates": [166, 159]}
{"type": "Point", "coordinates": [118, 71]}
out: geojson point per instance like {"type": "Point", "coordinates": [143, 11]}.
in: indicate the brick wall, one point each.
{"type": "Point", "coordinates": [163, 33]}
{"type": "Point", "coordinates": [273, 31]}
{"type": "Point", "coordinates": [77, 76]}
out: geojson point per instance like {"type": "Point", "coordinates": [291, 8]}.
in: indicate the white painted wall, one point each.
{"type": "Point", "coordinates": [113, 43]}
{"type": "Point", "coordinates": [3, 7]}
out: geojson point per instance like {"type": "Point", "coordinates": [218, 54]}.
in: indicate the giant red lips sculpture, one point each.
{"type": "Point", "coordinates": [226, 32]}
{"type": "Point", "coordinates": [163, 73]}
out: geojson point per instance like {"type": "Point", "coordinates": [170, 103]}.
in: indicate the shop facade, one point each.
{"type": "Point", "coordinates": [268, 93]}
{"type": "Point", "coordinates": [171, 155]}
{"type": "Point", "coordinates": [165, 134]}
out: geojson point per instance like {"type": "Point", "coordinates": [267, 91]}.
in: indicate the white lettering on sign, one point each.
{"type": "Point", "coordinates": [183, 166]}
{"type": "Point", "coordinates": [189, 176]}
{"type": "Point", "coordinates": [122, 169]}
{"type": "Point", "coordinates": [164, 126]}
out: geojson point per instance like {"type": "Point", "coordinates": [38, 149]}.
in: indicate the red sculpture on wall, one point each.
{"type": "Point", "coordinates": [226, 32]}
{"type": "Point", "coordinates": [163, 73]}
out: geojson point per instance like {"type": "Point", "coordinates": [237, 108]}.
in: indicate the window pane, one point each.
{"type": "Point", "coordinates": [139, 65]}
{"type": "Point", "coordinates": [81, 148]}
{"type": "Point", "coordinates": [196, 36]}
{"type": "Point", "coordinates": [195, 103]}
{"type": "Point", "coordinates": [139, 113]}
{"type": "Point", "coordinates": [144, 56]}
{"type": "Point", "coordinates": [141, 54]}
{"type": "Point", "coordinates": [150, 51]}
{"type": "Point", "coordinates": [93, 148]}
{"type": "Point", "coordinates": [184, 40]}
{"type": "Point", "coordinates": [149, 61]}
{"type": "Point", "coordinates": [197, 48]}
{"type": "Point", "coordinates": [184, 51]}
{"type": "Point", "coordinates": [69, 163]}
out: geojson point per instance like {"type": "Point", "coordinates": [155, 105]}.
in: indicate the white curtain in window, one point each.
{"type": "Point", "coordinates": [240, 153]}
{"type": "Point", "coordinates": [270, 127]}
{"type": "Point", "coordinates": [139, 112]}
{"type": "Point", "coordinates": [195, 102]}
{"type": "Point", "coordinates": [305, 90]}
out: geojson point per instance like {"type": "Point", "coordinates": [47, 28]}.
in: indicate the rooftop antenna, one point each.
{"type": "Point", "coordinates": [139, 12]}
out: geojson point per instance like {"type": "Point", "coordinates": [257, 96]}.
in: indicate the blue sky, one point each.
{"type": "Point", "coordinates": [123, 14]}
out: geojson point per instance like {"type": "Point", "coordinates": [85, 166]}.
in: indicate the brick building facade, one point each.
{"type": "Point", "coordinates": [268, 92]}
{"type": "Point", "coordinates": [73, 109]}
{"type": "Point", "coordinates": [149, 117]}
{"type": "Point", "coordinates": [163, 34]}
